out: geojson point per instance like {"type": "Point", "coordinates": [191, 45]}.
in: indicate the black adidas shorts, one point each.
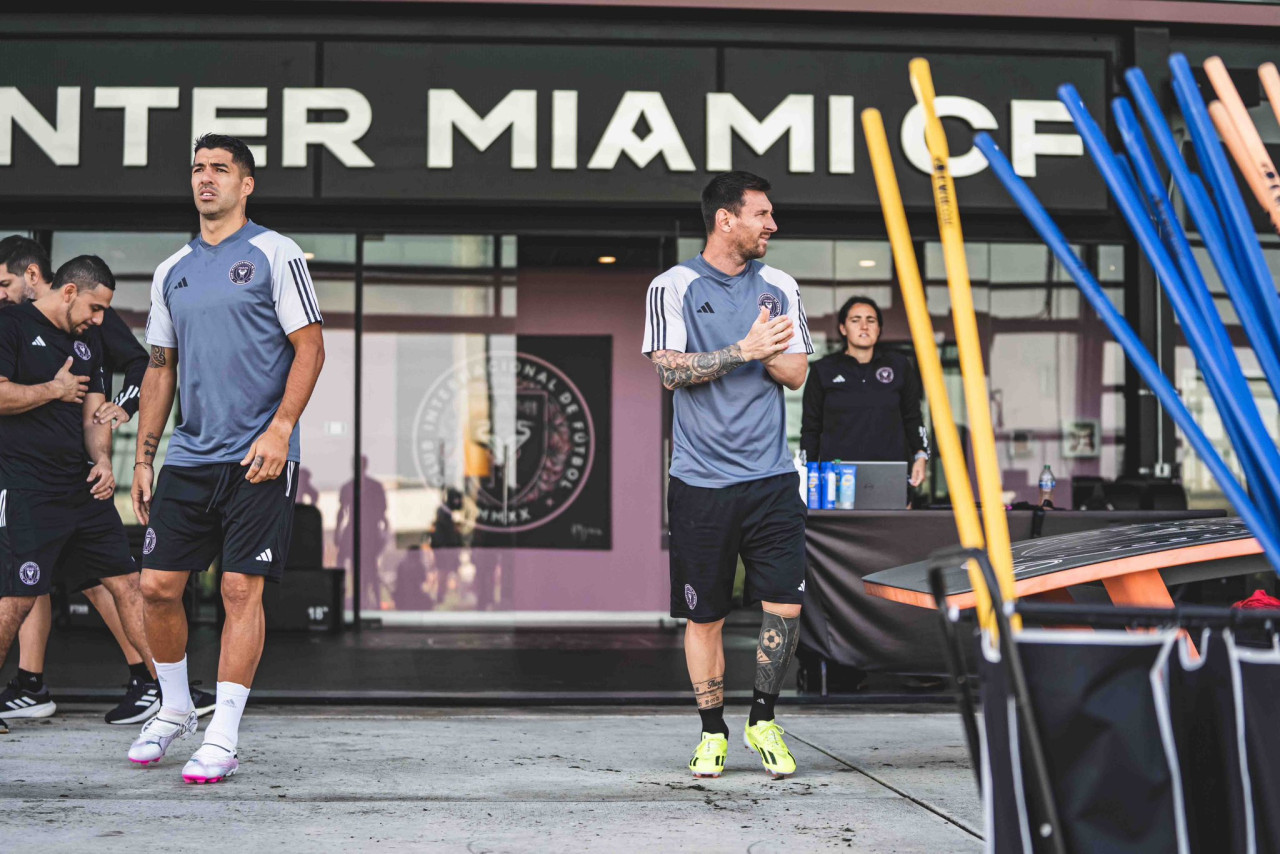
{"type": "Point", "coordinates": [71, 535]}
{"type": "Point", "coordinates": [761, 520]}
{"type": "Point", "coordinates": [199, 512]}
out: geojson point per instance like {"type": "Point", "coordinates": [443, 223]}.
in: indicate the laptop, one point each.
{"type": "Point", "coordinates": [880, 486]}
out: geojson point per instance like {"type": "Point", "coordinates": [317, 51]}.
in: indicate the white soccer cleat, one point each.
{"type": "Point", "coordinates": [156, 736]}
{"type": "Point", "coordinates": [209, 764]}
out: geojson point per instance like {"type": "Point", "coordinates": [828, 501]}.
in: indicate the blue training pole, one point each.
{"type": "Point", "coordinates": [1238, 402]}
{"type": "Point", "coordinates": [1128, 340]}
{"type": "Point", "coordinates": [1205, 216]}
{"type": "Point", "coordinates": [1254, 459]}
{"type": "Point", "coordinates": [1223, 182]}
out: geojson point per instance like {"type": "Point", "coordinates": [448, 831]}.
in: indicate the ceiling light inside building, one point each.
{"type": "Point", "coordinates": [310, 256]}
{"type": "Point", "coordinates": [866, 262]}
{"type": "Point", "coordinates": [607, 259]}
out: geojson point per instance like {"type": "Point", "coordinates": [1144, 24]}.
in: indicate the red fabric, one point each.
{"type": "Point", "coordinates": [1259, 599]}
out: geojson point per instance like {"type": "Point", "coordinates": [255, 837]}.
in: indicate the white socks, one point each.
{"type": "Point", "coordinates": [175, 690]}
{"type": "Point", "coordinates": [224, 729]}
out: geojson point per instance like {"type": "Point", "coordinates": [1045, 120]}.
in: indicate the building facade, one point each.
{"type": "Point", "coordinates": [484, 192]}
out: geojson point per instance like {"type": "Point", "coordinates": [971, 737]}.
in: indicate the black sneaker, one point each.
{"type": "Point", "coordinates": [141, 702]}
{"type": "Point", "coordinates": [18, 702]}
{"type": "Point", "coordinates": [202, 701]}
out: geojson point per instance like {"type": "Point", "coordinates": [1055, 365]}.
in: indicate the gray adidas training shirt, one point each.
{"type": "Point", "coordinates": [228, 310]}
{"type": "Point", "coordinates": [734, 429]}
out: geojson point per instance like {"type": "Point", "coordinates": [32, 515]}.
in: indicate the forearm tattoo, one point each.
{"type": "Point", "coordinates": [710, 693]}
{"type": "Point", "coordinates": [680, 370]}
{"type": "Point", "coordinates": [778, 639]}
{"type": "Point", "coordinates": [158, 359]}
{"type": "Point", "coordinates": [149, 445]}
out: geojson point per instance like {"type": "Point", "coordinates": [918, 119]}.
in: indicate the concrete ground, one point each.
{"type": "Point", "coordinates": [581, 780]}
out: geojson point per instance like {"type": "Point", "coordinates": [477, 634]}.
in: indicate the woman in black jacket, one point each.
{"type": "Point", "coordinates": [863, 403]}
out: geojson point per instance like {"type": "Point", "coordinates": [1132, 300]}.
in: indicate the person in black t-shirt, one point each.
{"type": "Point", "coordinates": [24, 275]}
{"type": "Point", "coordinates": [56, 485]}
{"type": "Point", "coordinates": [863, 403]}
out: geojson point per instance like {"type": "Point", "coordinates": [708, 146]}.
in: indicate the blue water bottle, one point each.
{"type": "Point", "coordinates": [1047, 482]}
{"type": "Point", "coordinates": [828, 472]}
{"type": "Point", "coordinates": [815, 481]}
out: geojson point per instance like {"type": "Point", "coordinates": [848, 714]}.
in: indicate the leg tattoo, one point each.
{"type": "Point", "coordinates": [710, 693]}
{"type": "Point", "coordinates": [778, 639]}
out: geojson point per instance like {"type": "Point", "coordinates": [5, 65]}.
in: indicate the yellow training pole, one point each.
{"type": "Point", "coordinates": [913, 298]}
{"type": "Point", "coordinates": [971, 368]}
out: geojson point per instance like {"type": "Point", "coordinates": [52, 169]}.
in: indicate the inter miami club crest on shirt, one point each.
{"type": "Point", "coordinates": [241, 273]}
{"type": "Point", "coordinates": [82, 350]}
{"type": "Point", "coordinates": [690, 597]}
{"type": "Point", "coordinates": [531, 451]}
{"type": "Point", "coordinates": [885, 375]}
{"type": "Point", "coordinates": [149, 542]}
{"type": "Point", "coordinates": [770, 302]}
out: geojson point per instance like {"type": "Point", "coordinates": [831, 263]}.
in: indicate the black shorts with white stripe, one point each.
{"type": "Point", "coordinates": [198, 512]}
{"type": "Point", "coordinates": [71, 538]}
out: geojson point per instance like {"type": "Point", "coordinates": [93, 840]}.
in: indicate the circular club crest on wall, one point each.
{"type": "Point", "coordinates": [516, 424]}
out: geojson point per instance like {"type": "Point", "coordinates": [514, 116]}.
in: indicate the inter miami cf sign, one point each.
{"type": "Point", "coordinates": [524, 432]}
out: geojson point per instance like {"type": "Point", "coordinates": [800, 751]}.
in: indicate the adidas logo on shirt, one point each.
{"type": "Point", "coordinates": [39, 342]}
{"type": "Point", "coordinates": [706, 308]}
{"type": "Point", "coordinates": [839, 378]}
{"type": "Point", "coordinates": [182, 283]}
{"type": "Point", "coordinates": [265, 556]}
{"type": "Point", "coordinates": [801, 587]}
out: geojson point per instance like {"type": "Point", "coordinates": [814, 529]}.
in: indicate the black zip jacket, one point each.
{"type": "Point", "coordinates": [866, 412]}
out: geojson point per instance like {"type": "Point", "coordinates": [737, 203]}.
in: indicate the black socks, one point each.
{"type": "Point", "coordinates": [139, 671]}
{"type": "Point", "coordinates": [713, 720]}
{"type": "Point", "coordinates": [761, 707]}
{"type": "Point", "coordinates": [29, 681]}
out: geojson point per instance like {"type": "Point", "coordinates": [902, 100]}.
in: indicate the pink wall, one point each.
{"type": "Point", "coordinates": [633, 576]}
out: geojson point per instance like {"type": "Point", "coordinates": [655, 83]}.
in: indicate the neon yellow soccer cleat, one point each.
{"type": "Point", "coordinates": [765, 738]}
{"type": "Point", "coordinates": [708, 758]}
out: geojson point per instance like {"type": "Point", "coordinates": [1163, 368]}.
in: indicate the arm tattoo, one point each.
{"type": "Point", "coordinates": [149, 445]}
{"type": "Point", "coordinates": [157, 357]}
{"type": "Point", "coordinates": [680, 370]}
{"type": "Point", "coordinates": [778, 639]}
{"type": "Point", "coordinates": [709, 694]}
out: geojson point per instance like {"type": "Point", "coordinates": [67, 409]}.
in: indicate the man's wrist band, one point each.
{"type": "Point", "coordinates": [142, 463]}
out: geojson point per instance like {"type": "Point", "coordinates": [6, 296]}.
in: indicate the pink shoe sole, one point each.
{"type": "Point", "coordinates": [145, 762]}
{"type": "Point", "coordinates": [201, 780]}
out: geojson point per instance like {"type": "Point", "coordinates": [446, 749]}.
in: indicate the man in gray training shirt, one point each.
{"type": "Point", "coordinates": [726, 333]}
{"type": "Point", "coordinates": [238, 306]}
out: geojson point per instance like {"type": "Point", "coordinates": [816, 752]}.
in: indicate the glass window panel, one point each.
{"type": "Point", "coordinates": [687, 247]}
{"type": "Point", "coordinates": [863, 260]}
{"type": "Point", "coordinates": [882, 294]}
{"type": "Point", "coordinates": [434, 300]}
{"type": "Point", "coordinates": [1019, 263]}
{"type": "Point", "coordinates": [977, 256]}
{"type": "Point", "coordinates": [441, 251]}
{"type": "Point", "coordinates": [126, 253]}
{"type": "Point", "coordinates": [510, 246]}
{"type": "Point", "coordinates": [326, 248]}
{"type": "Point", "coordinates": [803, 259]}
{"type": "Point", "coordinates": [1110, 263]}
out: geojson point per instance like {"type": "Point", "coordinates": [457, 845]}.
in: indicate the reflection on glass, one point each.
{"type": "Point", "coordinates": [126, 253]}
